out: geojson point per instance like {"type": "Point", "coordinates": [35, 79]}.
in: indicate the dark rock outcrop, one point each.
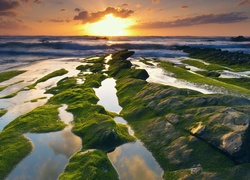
{"type": "Point", "coordinates": [239, 39]}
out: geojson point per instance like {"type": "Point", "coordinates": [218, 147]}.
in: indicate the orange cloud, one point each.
{"type": "Point", "coordinates": [86, 16]}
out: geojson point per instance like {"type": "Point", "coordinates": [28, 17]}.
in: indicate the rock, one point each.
{"type": "Point", "coordinates": [173, 118]}
{"type": "Point", "coordinates": [239, 39]}
{"type": "Point", "coordinates": [232, 142]}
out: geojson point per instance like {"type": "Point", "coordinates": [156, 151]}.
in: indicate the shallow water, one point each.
{"type": "Point", "coordinates": [131, 160]}
{"type": "Point", "coordinates": [20, 104]}
{"type": "Point", "coordinates": [50, 154]}
{"type": "Point", "coordinates": [107, 95]}
{"type": "Point", "coordinates": [158, 75]}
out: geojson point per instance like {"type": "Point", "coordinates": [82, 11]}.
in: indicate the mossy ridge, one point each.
{"type": "Point", "coordinates": [3, 112]}
{"type": "Point", "coordinates": [150, 129]}
{"type": "Point", "coordinates": [146, 61]}
{"type": "Point", "coordinates": [97, 65]}
{"type": "Point", "coordinates": [238, 61]}
{"type": "Point", "coordinates": [201, 65]}
{"type": "Point", "coordinates": [56, 73]}
{"type": "Point", "coordinates": [94, 165]}
{"type": "Point", "coordinates": [42, 119]}
{"type": "Point", "coordinates": [14, 147]}
{"type": "Point", "coordinates": [97, 129]}
{"type": "Point", "coordinates": [9, 74]}
{"type": "Point", "coordinates": [183, 74]}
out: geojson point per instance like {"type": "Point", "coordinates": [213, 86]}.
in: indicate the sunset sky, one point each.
{"type": "Point", "coordinates": [125, 17]}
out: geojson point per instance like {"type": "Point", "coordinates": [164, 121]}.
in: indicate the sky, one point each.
{"type": "Point", "coordinates": [125, 17]}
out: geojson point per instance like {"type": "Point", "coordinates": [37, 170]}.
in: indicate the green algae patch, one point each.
{"type": "Point", "coordinates": [56, 73]}
{"type": "Point", "coordinates": [97, 128]}
{"type": "Point", "coordinates": [9, 74]}
{"type": "Point", "coordinates": [4, 87]}
{"type": "Point", "coordinates": [2, 112]}
{"type": "Point", "coordinates": [201, 65]}
{"type": "Point", "coordinates": [14, 147]}
{"type": "Point", "coordinates": [11, 95]}
{"type": "Point", "coordinates": [40, 120]}
{"type": "Point", "coordinates": [96, 66]}
{"type": "Point", "coordinates": [147, 61]}
{"type": "Point", "coordinates": [92, 164]}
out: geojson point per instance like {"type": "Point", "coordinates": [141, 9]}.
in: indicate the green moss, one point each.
{"type": "Point", "coordinates": [41, 119]}
{"type": "Point", "coordinates": [238, 61]}
{"type": "Point", "coordinates": [180, 73]}
{"type": "Point", "coordinates": [56, 73]}
{"type": "Point", "coordinates": [147, 61]}
{"type": "Point", "coordinates": [35, 100]}
{"type": "Point", "coordinates": [4, 87]}
{"type": "Point", "coordinates": [89, 165]}
{"type": "Point", "coordinates": [9, 74]}
{"type": "Point", "coordinates": [97, 129]}
{"type": "Point", "coordinates": [201, 65]}
{"type": "Point", "coordinates": [2, 112]}
{"type": "Point", "coordinates": [96, 66]}
{"type": "Point", "coordinates": [11, 95]}
{"type": "Point", "coordinates": [14, 147]}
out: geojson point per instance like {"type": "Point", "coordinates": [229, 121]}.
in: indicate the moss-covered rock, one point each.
{"type": "Point", "coordinates": [92, 164]}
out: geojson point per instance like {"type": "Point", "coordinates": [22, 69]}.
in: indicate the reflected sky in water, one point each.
{"type": "Point", "coordinates": [133, 161]}
{"type": "Point", "coordinates": [49, 157]}
{"type": "Point", "coordinates": [107, 95]}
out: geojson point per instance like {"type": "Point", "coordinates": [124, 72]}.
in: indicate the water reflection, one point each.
{"type": "Point", "coordinates": [51, 152]}
{"type": "Point", "coordinates": [49, 157]}
{"type": "Point", "coordinates": [133, 161]}
{"type": "Point", "coordinates": [107, 95]}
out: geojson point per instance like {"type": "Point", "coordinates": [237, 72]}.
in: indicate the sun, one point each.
{"type": "Point", "coordinates": [110, 26]}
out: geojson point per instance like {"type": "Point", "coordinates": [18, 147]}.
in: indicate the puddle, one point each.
{"type": "Point", "coordinates": [107, 95]}
{"type": "Point", "coordinates": [49, 156]}
{"type": "Point", "coordinates": [51, 153]}
{"type": "Point", "coordinates": [132, 160]}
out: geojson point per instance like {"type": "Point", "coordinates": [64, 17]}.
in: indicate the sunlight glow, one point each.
{"type": "Point", "coordinates": [110, 26]}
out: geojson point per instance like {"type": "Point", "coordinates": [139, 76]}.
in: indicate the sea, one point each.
{"type": "Point", "coordinates": [22, 50]}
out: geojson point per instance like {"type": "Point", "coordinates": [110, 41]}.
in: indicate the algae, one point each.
{"type": "Point", "coordinates": [56, 73]}
{"type": "Point", "coordinates": [2, 112]}
{"type": "Point", "coordinates": [9, 74]}
{"type": "Point", "coordinates": [14, 147]}
{"type": "Point", "coordinates": [92, 164]}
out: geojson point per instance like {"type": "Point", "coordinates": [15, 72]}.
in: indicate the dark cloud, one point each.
{"type": "Point", "coordinates": [6, 5]}
{"type": "Point", "coordinates": [184, 7]}
{"type": "Point", "coordinates": [58, 20]}
{"type": "Point", "coordinates": [244, 3]}
{"type": "Point", "coordinates": [124, 5]}
{"type": "Point", "coordinates": [8, 13]}
{"type": "Point", "coordinates": [86, 16]}
{"type": "Point", "coordinates": [12, 24]}
{"type": "Point", "coordinates": [63, 10]}
{"type": "Point", "coordinates": [221, 18]}
{"type": "Point", "coordinates": [77, 10]}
